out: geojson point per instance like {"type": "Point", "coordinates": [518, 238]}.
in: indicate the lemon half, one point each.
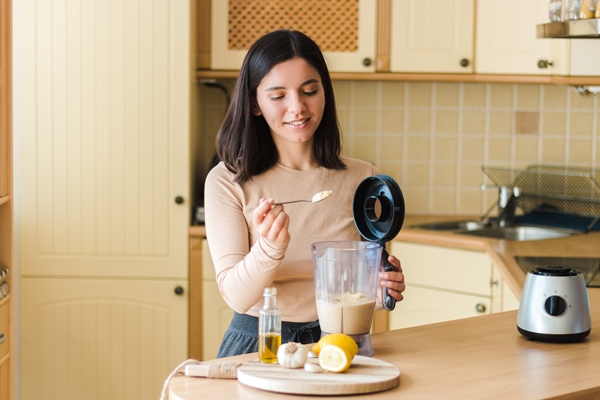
{"type": "Point", "coordinates": [334, 359]}
{"type": "Point", "coordinates": [340, 340]}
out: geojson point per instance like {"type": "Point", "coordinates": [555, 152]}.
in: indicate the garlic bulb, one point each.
{"type": "Point", "coordinates": [292, 355]}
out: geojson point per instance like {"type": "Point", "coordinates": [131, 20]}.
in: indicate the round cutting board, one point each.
{"type": "Point", "coordinates": [365, 375]}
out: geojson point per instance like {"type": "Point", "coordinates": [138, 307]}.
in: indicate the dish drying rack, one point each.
{"type": "Point", "coordinates": [558, 189]}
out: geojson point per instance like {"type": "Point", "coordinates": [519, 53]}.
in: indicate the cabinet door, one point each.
{"type": "Point", "coordinates": [100, 338]}
{"type": "Point", "coordinates": [104, 122]}
{"type": "Point", "coordinates": [344, 30]}
{"type": "Point", "coordinates": [445, 268]}
{"type": "Point", "coordinates": [432, 36]}
{"type": "Point", "coordinates": [422, 306]}
{"type": "Point", "coordinates": [216, 314]}
{"type": "Point", "coordinates": [506, 41]}
{"type": "Point", "coordinates": [503, 298]}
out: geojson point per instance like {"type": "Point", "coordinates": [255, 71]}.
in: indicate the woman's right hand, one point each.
{"type": "Point", "coordinates": [271, 222]}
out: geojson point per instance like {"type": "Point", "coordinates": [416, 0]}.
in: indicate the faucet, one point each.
{"type": "Point", "coordinates": [508, 197]}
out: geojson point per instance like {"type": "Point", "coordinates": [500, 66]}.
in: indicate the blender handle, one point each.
{"type": "Point", "coordinates": [387, 301]}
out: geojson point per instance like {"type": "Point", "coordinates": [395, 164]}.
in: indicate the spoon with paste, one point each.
{"type": "Point", "coordinates": [315, 199]}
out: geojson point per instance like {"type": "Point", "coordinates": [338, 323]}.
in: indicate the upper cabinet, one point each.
{"type": "Point", "coordinates": [432, 36]}
{"type": "Point", "coordinates": [345, 30]}
{"type": "Point", "coordinates": [457, 40]}
{"type": "Point", "coordinates": [507, 43]}
{"type": "Point", "coordinates": [506, 39]}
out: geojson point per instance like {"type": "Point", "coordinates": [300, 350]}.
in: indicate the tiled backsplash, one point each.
{"type": "Point", "coordinates": [434, 137]}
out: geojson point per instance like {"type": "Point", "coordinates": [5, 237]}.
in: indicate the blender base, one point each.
{"type": "Point", "coordinates": [365, 348]}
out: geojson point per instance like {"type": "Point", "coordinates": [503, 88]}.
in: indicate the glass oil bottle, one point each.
{"type": "Point", "coordinates": [269, 327]}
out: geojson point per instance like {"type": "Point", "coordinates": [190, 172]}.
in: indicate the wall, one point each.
{"type": "Point", "coordinates": [433, 138]}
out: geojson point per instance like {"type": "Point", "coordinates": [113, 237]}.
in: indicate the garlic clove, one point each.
{"type": "Point", "coordinates": [313, 368]}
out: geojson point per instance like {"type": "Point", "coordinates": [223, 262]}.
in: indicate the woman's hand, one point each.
{"type": "Point", "coordinates": [394, 280]}
{"type": "Point", "coordinates": [272, 222]}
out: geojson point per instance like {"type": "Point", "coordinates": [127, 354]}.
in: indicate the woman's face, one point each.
{"type": "Point", "coordinates": [291, 99]}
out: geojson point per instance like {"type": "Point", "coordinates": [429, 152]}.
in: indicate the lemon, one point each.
{"type": "Point", "coordinates": [334, 359]}
{"type": "Point", "coordinates": [340, 340]}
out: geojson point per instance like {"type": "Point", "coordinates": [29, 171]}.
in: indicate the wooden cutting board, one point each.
{"type": "Point", "coordinates": [365, 375]}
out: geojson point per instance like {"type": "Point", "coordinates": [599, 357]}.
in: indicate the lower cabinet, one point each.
{"type": "Point", "coordinates": [100, 338]}
{"type": "Point", "coordinates": [216, 314]}
{"type": "Point", "coordinates": [443, 284]}
{"type": "Point", "coordinates": [422, 306]}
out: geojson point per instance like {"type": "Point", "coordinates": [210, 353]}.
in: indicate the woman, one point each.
{"type": "Point", "coordinates": [280, 140]}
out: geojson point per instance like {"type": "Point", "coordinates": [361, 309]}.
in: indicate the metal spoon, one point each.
{"type": "Point", "coordinates": [315, 199]}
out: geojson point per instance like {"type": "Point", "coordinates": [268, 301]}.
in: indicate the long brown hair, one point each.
{"type": "Point", "coordinates": [244, 141]}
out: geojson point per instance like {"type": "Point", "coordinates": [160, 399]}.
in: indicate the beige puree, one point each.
{"type": "Point", "coordinates": [351, 314]}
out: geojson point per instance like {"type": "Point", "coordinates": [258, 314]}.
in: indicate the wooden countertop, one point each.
{"type": "Point", "coordinates": [482, 357]}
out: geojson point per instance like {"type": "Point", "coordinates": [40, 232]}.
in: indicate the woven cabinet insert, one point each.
{"type": "Point", "coordinates": [332, 24]}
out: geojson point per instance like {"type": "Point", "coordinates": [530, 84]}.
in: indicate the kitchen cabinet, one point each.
{"type": "Point", "coordinates": [443, 41]}
{"type": "Point", "coordinates": [503, 298]}
{"type": "Point", "coordinates": [100, 338]}
{"type": "Point", "coordinates": [432, 36]}
{"type": "Point", "coordinates": [445, 284]}
{"type": "Point", "coordinates": [506, 39]}
{"type": "Point", "coordinates": [6, 204]}
{"type": "Point", "coordinates": [506, 43]}
{"type": "Point", "coordinates": [104, 123]}
{"type": "Point", "coordinates": [345, 30]}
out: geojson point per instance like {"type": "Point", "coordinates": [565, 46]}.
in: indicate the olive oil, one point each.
{"type": "Point", "coordinates": [268, 344]}
{"type": "Point", "coordinates": [269, 328]}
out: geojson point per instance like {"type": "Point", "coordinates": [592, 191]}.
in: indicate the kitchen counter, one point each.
{"type": "Point", "coordinates": [482, 357]}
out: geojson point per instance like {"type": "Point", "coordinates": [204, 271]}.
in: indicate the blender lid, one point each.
{"type": "Point", "coordinates": [378, 208]}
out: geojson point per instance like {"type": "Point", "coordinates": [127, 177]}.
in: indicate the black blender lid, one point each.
{"type": "Point", "coordinates": [378, 208]}
{"type": "Point", "coordinates": [554, 270]}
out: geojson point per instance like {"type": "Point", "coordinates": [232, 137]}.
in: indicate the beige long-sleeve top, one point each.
{"type": "Point", "coordinates": [245, 263]}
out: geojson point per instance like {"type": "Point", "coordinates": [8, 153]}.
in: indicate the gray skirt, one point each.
{"type": "Point", "coordinates": [241, 336]}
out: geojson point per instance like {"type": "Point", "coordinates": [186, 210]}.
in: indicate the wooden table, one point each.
{"type": "Point", "coordinates": [476, 358]}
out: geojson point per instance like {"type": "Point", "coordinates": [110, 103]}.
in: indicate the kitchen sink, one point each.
{"type": "Point", "coordinates": [521, 233]}
{"type": "Point", "coordinates": [453, 226]}
{"type": "Point", "coordinates": [491, 230]}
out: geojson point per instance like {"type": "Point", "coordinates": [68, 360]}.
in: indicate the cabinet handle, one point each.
{"type": "Point", "coordinates": [464, 62]}
{"type": "Point", "coordinates": [542, 64]}
{"type": "Point", "coordinates": [480, 308]}
{"type": "Point", "coordinates": [2, 338]}
{"type": "Point", "coordinates": [179, 200]}
{"type": "Point", "coordinates": [179, 290]}
{"type": "Point", "coordinates": [367, 62]}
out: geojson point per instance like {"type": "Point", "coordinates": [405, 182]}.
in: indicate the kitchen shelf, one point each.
{"type": "Point", "coordinates": [473, 78]}
{"type": "Point", "coordinates": [579, 29]}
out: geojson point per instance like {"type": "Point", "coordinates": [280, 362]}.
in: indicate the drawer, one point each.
{"type": "Point", "coordinates": [4, 328]}
{"type": "Point", "coordinates": [445, 268]}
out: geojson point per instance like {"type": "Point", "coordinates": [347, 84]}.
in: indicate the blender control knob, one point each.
{"type": "Point", "coordinates": [555, 305]}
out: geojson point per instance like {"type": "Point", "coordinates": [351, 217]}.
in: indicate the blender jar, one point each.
{"type": "Point", "coordinates": [346, 275]}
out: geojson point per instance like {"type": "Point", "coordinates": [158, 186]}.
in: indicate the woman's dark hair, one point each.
{"type": "Point", "coordinates": [244, 141]}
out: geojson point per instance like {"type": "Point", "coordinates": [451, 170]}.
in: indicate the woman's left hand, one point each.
{"type": "Point", "coordinates": [394, 280]}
